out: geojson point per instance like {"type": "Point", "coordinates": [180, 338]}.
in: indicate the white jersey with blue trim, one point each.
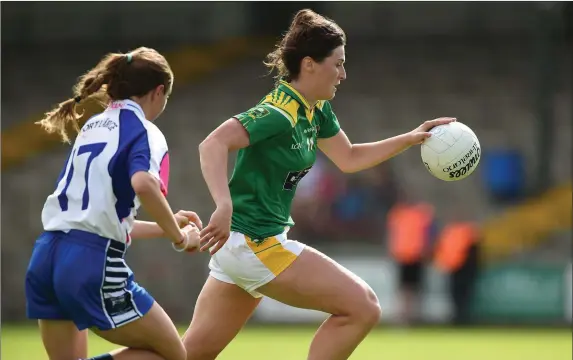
{"type": "Point", "coordinates": [94, 191]}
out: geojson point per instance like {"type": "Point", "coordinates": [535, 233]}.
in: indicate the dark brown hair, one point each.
{"type": "Point", "coordinates": [310, 34]}
{"type": "Point", "coordinates": [116, 77]}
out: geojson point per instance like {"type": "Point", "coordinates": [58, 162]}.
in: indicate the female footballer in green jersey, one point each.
{"type": "Point", "coordinates": [247, 234]}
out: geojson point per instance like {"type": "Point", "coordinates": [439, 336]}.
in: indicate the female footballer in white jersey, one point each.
{"type": "Point", "coordinates": [77, 278]}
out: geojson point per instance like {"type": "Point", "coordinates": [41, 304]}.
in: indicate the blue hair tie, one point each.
{"type": "Point", "coordinates": [129, 58]}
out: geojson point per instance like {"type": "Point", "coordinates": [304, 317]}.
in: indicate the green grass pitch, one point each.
{"type": "Point", "coordinates": [291, 343]}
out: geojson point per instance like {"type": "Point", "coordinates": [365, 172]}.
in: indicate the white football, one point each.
{"type": "Point", "coordinates": [452, 152]}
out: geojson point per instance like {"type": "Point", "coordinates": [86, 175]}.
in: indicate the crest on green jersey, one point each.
{"type": "Point", "coordinates": [258, 112]}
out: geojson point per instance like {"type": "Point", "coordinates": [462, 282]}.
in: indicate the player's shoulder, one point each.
{"type": "Point", "coordinates": [137, 119]}
{"type": "Point", "coordinates": [137, 123]}
{"type": "Point", "coordinates": [131, 119]}
{"type": "Point", "coordinates": [324, 107]}
{"type": "Point", "coordinates": [280, 103]}
{"type": "Point", "coordinates": [323, 112]}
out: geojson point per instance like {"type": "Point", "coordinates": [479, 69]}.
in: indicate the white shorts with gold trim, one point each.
{"type": "Point", "coordinates": [250, 264]}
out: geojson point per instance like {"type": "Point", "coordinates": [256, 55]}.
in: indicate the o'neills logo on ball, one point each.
{"type": "Point", "coordinates": [464, 160]}
{"type": "Point", "coordinates": [463, 166]}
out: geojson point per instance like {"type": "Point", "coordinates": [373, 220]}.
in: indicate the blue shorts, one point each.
{"type": "Point", "coordinates": [82, 277]}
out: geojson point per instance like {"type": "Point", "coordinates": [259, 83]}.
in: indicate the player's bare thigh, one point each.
{"type": "Point", "coordinates": [62, 340]}
{"type": "Point", "coordinates": [220, 312]}
{"type": "Point", "coordinates": [314, 281]}
{"type": "Point", "coordinates": [154, 331]}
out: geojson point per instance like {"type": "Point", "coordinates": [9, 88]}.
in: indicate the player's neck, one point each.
{"type": "Point", "coordinates": [302, 90]}
{"type": "Point", "coordinates": [145, 106]}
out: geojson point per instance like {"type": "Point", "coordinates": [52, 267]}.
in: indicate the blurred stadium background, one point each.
{"type": "Point", "coordinates": [504, 69]}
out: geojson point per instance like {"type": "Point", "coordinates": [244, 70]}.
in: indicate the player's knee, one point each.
{"type": "Point", "coordinates": [171, 350]}
{"type": "Point", "coordinates": [375, 311]}
{"type": "Point", "coordinates": [366, 310]}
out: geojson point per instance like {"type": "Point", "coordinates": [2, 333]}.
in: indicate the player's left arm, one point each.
{"type": "Point", "coordinates": [351, 158]}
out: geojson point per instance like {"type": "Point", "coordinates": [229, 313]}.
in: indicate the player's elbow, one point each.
{"type": "Point", "coordinates": [143, 183]}
{"type": "Point", "coordinates": [342, 161]}
{"type": "Point", "coordinates": [340, 151]}
{"type": "Point", "coordinates": [346, 164]}
{"type": "Point", "coordinates": [351, 161]}
{"type": "Point", "coordinates": [348, 168]}
{"type": "Point", "coordinates": [206, 145]}
{"type": "Point", "coordinates": [208, 149]}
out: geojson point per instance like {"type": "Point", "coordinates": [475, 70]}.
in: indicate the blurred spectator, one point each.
{"type": "Point", "coordinates": [411, 230]}
{"type": "Point", "coordinates": [457, 253]}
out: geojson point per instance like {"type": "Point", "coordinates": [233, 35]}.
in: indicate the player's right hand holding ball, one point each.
{"type": "Point", "coordinates": [421, 133]}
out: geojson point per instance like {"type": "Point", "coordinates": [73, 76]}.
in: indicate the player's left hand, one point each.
{"type": "Point", "coordinates": [421, 133]}
{"type": "Point", "coordinates": [185, 217]}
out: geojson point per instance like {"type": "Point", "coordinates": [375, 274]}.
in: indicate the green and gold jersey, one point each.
{"type": "Point", "coordinates": [283, 131]}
